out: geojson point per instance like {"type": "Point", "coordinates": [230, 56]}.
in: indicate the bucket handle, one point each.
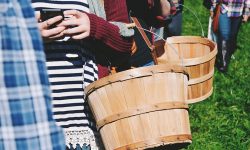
{"type": "Point", "coordinates": [202, 30]}
{"type": "Point", "coordinates": [181, 57]}
{"type": "Point", "coordinates": [176, 52]}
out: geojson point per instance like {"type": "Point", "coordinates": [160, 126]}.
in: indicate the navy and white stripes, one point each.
{"type": "Point", "coordinates": [81, 5]}
{"type": "Point", "coordinates": [70, 67]}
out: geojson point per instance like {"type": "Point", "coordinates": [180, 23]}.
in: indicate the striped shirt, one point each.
{"type": "Point", "coordinates": [26, 121]}
{"type": "Point", "coordinates": [233, 8]}
{"type": "Point", "coordinates": [71, 68]}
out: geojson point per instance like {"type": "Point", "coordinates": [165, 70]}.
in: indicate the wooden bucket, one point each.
{"type": "Point", "coordinates": [197, 55]}
{"type": "Point", "coordinates": [141, 108]}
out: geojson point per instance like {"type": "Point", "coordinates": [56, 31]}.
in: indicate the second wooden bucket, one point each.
{"type": "Point", "coordinates": [141, 108]}
{"type": "Point", "coordinates": [197, 55]}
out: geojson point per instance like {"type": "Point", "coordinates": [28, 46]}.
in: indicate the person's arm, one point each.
{"type": "Point", "coordinates": [173, 8]}
{"type": "Point", "coordinates": [158, 12]}
{"type": "Point", "coordinates": [108, 33]}
{"type": "Point", "coordinates": [213, 6]}
{"type": "Point", "coordinates": [165, 8]}
{"type": "Point", "coordinates": [162, 7]}
{"type": "Point", "coordinates": [246, 10]}
{"type": "Point", "coordinates": [83, 25]}
{"type": "Point", "coordinates": [116, 11]}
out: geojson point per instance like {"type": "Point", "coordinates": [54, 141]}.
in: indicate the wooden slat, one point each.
{"type": "Point", "coordinates": [197, 55]}
{"type": "Point", "coordinates": [142, 110]}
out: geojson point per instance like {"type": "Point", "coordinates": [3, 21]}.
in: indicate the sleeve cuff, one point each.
{"type": "Point", "coordinates": [93, 24]}
{"type": "Point", "coordinates": [124, 31]}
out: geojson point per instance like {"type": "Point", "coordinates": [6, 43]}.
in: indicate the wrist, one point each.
{"type": "Point", "coordinates": [93, 24]}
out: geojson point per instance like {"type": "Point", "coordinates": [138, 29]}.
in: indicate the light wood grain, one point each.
{"type": "Point", "coordinates": [143, 110]}
{"type": "Point", "coordinates": [197, 55]}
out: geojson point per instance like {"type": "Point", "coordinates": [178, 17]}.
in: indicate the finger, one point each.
{"type": "Point", "coordinates": [72, 12]}
{"type": "Point", "coordinates": [53, 38]}
{"type": "Point", "coordinates": [71, 22]}
{"type": "Point", "coordinates": [42, 25]}
{"type": "Point", "coordinates": [68, 20]}
{"type": "Point", "coordinates": [80, 36]}
{"type": "Point", "coordinates": [57, 37]}
{"type": "Point", "coordinates": [46, 24]}
{"type": "Point", "coordinates": [38, 16]}
{"type": "Point", "coordinates": [52, 32]}
{"type": "Point", "coordinates": [75, 30]}
{"type": "Point", "coordinates": [53, 20]}
{"type": "Point", "coordinates": [67, 17]}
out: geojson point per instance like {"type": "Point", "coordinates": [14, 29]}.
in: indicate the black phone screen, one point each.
{"type": "Point", "coordinates": [50, 13]}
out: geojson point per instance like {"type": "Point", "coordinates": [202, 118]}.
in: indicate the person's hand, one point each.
{"type": "Point", "coordinates": [78, 24]}
{"type": "Point", "coordinates": [151, 4]}
{"type": "Point", "coordinates": [165, 8]}
{"type": "Point", "coordinates": [245, 18]}
{"type": "Point", "coordinates": [211, 14]}
{"type": "Point", "coordinates": [53, 33]}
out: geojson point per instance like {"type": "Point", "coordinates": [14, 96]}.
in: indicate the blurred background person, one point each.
{"type": "Point", "coordinates": [232, 13]}
{"type": "Point", "coordinates": [26, 121]}
{"type": "Point", "coordinates": [174, 28]}
{"type": "Point", "coordinates": [149, 13]}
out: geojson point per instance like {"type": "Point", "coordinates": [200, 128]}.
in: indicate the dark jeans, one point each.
{"type": "Point", "coordinates": [228, 29]}
{"type": "Point", "coordinates": [151, 63]}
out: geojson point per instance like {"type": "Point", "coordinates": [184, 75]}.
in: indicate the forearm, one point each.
{"type": "Point", "coordinates": [165, 8]}
{"type": "Point", "coordinates": [110, 34]}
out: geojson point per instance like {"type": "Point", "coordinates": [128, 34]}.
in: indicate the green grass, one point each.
{"type": "Point", "coordinates": [222, 122]}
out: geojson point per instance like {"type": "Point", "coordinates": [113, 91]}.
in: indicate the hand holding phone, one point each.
{"type": "Point", "coordinates": [48, 20]}
{"type": "Point", "coordinates": [50, 13]}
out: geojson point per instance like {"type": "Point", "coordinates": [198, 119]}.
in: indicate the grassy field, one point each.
{"type": "Point", "coordinates": [222, 122]}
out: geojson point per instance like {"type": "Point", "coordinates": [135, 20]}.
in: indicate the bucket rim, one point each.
{"type": "Point", "coordinates": [193, 39]}
{"type": "Point", "coordinates": [134, 73]}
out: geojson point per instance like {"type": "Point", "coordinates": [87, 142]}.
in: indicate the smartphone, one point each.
{"type": "Point", "coordinates": [50, 13]}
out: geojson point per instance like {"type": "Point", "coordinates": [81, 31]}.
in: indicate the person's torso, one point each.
{"type": "Point", "coordinates": [233, 8]}
{"type": "Point", "coordinates": [142, 55]}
